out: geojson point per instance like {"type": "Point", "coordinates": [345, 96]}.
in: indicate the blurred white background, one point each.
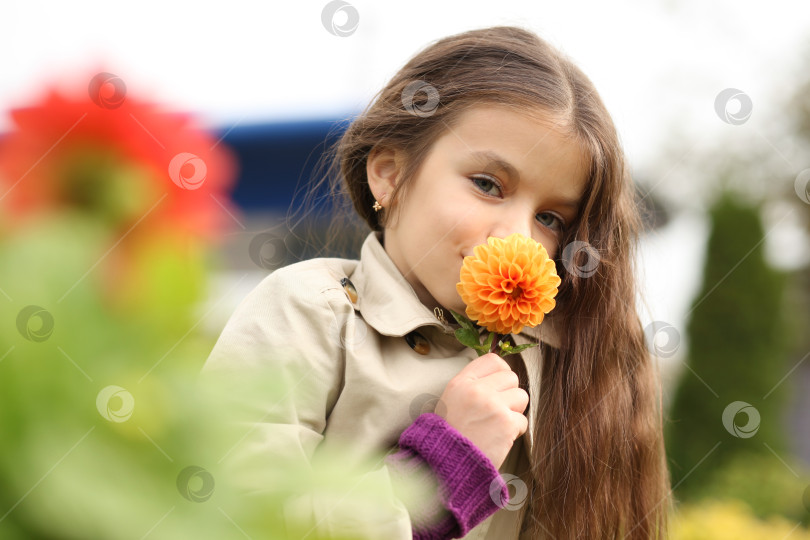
{"type": "Point", "coordinates": [658, 65]}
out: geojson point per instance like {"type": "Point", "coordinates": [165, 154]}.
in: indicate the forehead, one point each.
{"type": "Point", "coordinates": [532, 145]}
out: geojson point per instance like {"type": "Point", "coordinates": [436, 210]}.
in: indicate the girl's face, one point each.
{"type": "Point", "coordinates": [494, 173]}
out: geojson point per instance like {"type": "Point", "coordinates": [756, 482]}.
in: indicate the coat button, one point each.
{"type": "Point", "coordinates": [348, 286]}
{"type": "Point", "coordinates": [417, 342]}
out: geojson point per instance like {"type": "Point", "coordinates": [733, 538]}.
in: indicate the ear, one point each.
{"type": "Point", "coordinates": [383, 171]}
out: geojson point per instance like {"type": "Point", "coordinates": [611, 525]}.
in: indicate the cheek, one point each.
{"type": "Point", "coordinates": [465, 215]}
{"type": "Point", "coordinates": [551, 242]}
{"type": "Point", "coordinates": [445, 226]}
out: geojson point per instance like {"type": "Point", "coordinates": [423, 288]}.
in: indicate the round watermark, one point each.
{"type": "Point", "coordinates": [730, 415]}
{"type": "Point", "coordinates": [426, 403]}
{"type": "Point", "coordinates": [573, 254]}
{"type": "Point", "coordinates": [115, 403]}
{"type": "Point", "coordinates": [35, 323]}
{"type": "Point", "coordinates": [195, 484]}
{"type": "Point", "coordinates": [517, 499]}
{"type": "Point", "coordinates": [424, 107]}
{"type": "Point", "coordinates": [187, 170]}
{"type": "Point", "coordinates": [107, 90]}
{"type": "Point", "coordinates": [724, 106]}
{"type": "Point", "coordinates": [268, 251]}
{"type": "Point", "coordinates": [802, 185]}
{"type": "Point", "coordinates": [350, 334]}
{"type": "Point", "coordinates": [662, 339]}
{"type": "Point", "coordinates": [340, 18]}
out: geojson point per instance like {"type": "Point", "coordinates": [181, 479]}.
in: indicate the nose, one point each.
{"type": "Point", "coordinates": [512, 221]}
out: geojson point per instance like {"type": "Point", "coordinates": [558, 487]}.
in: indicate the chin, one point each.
{"type": "Point", "coordinates": [456, 305]}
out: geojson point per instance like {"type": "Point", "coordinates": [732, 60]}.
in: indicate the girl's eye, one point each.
{"type": "Point", "coordinates": [491, 187]}
{"type": "Point", "coordinates": [550, 220]}
{"type": "Point", "coordinates": [486, 185]}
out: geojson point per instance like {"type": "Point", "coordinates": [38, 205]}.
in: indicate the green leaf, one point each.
{"type": "Point", "coordinates": [468, 337]}
{"type": "Point", "coordinates": [488, 342]}
{"type": "Point", "coordinates": [463, 321]}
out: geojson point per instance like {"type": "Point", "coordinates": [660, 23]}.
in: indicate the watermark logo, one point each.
{"type": "Point", "coordinates": [107, 90]}
{"type": "Point", "coordinates": [35, 323]}
{"type": "Point", "coordinates": [726, 111]}
{"type": "Point", "coordinates": [516, 500]}
{"type": "Point", "coordinates": [662, 338]}
{"type": "Point", "coordinates": [268, 251]}
{"type": "Point", "coordinates": [573, 254]}
{"type": "Point", "coordinates": [195, 484]}
{"type": "Point", "coordinates": [187, 171]}
{"type": "Point", "coordinates": [115, 404]}
{"type": "Point", "coordinates": [340, 18]}
{"type": "Point", "coordinates": [802, 185]}
{"type": "Point", "coordinates": [426, 403]}
{"type": "Point", "coordinates": [351, 334]}
{"type": "Point", "coordinates": [422, 108]}
{"type": "Point", "coordinates": [730, 415]}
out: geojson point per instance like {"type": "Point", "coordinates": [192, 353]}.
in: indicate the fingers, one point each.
{"type": "Point", "coordinates": [522, 423]}
{"type": "Point", "coordinates": [516, 399]}
{"type": "Point", "coordinates": [501, 380]}
{"type": "Point", "coordinates": [484, 365]}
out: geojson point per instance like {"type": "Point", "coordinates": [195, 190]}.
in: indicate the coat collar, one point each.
{"type": "Point", "coordinates": [389, 304]}
{"type": "Point", "coordinates": [384, 297]}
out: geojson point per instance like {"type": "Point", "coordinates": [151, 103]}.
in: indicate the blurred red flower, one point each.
{"type": "Point", "coordinates": [155, 185]}
{"type": "Point", "coordinates": [142, 170]}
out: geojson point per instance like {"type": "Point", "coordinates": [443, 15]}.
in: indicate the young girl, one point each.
{"type": "Point", "coordinates": [482, 134]}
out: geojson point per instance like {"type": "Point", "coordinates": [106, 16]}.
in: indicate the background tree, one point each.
{"type": "Point", "coordinates": [737, 352]}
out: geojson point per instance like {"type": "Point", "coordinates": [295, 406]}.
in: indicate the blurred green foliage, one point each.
{"type": "Point", "coordinates": [738, 343]}
{"type": "Point", "coordinates": [765, 484]}
{"type": "Point", "coordinates": [82, 460]}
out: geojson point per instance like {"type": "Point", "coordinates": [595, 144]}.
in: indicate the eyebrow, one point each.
{"type": "Point", "coordinates": [494, 158]}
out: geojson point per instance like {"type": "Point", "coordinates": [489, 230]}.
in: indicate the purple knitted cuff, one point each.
{"type": "Point", "coordinates": [468, 482]}
{"type": "Point", "coordinates": [430, 520]}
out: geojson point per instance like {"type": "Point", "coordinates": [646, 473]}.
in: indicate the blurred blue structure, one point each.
{"type": "Point", "coordinates": [278, 160]}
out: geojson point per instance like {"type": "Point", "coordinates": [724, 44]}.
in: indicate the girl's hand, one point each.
{"type": "Point", "coordinates": [485, 404]}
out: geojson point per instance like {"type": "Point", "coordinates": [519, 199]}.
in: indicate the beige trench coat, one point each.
{"type": "Point", "coordinates": [357, 384]}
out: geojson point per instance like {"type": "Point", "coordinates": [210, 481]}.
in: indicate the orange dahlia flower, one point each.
{"type": "Point", "coordinates": [508, 284]}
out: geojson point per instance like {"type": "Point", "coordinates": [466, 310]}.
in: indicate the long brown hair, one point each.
{"type": "Point", "coordinates": [598, 464]}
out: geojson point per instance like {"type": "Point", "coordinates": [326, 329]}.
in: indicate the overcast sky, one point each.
{"type": "Point", "coordinates": [657, 64]}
